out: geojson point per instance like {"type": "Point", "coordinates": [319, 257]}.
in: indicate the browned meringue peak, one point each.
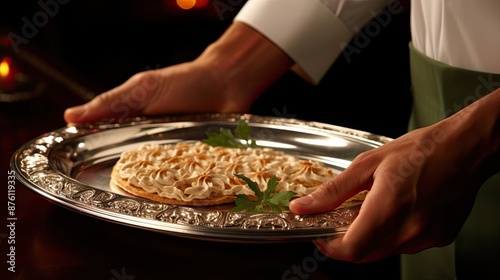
{"type": "Point", "coordinates": [187, 171]}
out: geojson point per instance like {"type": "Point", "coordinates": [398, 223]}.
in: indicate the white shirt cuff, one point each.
{"type": "Point", "coordinates": [306, 30]}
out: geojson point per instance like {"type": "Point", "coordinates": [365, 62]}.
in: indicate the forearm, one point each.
{"type": "Point", "coordinates": [476, 130]}
{"type": "Point", "coordinates": [488, 111]}
{"type": "Point", "coordinates": [247, 62]}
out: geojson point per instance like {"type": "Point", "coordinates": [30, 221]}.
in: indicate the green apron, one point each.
{"type": "Point", "coordinates": [440, 90]}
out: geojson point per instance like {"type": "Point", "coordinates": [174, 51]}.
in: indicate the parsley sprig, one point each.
{"type": "Point", "coordinates": [225, 138]}
{"type": "Point", "coordinates": [267, 201]}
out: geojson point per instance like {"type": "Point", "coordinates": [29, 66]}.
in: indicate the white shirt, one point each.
{"type": "Point", "coordinates": [461, 33]}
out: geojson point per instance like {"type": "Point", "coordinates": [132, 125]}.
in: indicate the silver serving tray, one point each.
{"type": "Point", "coordinates": [71, 167]}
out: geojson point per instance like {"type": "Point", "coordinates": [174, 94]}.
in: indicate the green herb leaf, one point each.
{"type": "Point", "coordinates": [225, 137]}
{"type": "Point", "coordinates": [243, 130]}
{"type": "Point", "coordinates": [267, 200]}
{"type": "Point", "coordinates": [243, 203]}
{"type": "Point", "coordinates": [281, 200]}
{"type": "Point", "coordinates": [253, 186]}
{"type": "Point", "coordinates": [271, 186]}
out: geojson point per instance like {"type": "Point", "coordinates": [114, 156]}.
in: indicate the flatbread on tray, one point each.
{"type": "Point", "coordinates": [197, 174]}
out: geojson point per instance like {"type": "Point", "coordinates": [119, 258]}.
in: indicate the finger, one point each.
{"type": "Point", "coordinates": [359, 239]}
{"type": "Point", "coordinates": [126, 100]}
{"type": "Point", "coordinates": [333, 248]}
{"type": "Point", "coordinates": [334, 192]}
{"type": "Point", "coordinates": [373, 233]}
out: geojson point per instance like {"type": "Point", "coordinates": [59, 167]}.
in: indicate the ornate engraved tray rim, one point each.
{"type": "Point", "coordinates": [47, 165]}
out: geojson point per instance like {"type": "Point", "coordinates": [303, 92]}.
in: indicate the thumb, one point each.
{"type": "Point", "coordinates": [94, 110]}
{"type": "Point", "coordinates": [126, 100]}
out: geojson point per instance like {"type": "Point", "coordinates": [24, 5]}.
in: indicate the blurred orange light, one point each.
{"type": "Point", "coordinates": [5, 67]}
{"type": "Point", "coordinates": [186, 4]}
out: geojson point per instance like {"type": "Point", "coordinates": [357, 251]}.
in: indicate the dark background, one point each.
{"type": "Point", "coordinates": [102, 43]}
{"type": "Point", "coordinates": [87, 47]}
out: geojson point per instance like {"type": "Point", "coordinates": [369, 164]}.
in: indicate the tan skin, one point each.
{"type": "Point", "coordinates": [422, 185]}
{"type": "Point", "coordinates": [227, 77]}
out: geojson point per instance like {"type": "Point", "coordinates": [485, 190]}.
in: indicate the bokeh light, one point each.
{"type": "Point", "coordinates": [5, 66]}
{"type": "Point", "coordinates": [186, 4]}
{"type": "Point", "coordinates": [201, 3]}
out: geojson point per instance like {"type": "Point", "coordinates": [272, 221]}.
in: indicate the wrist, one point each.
{"type": "Point", "coordinates": [245, 63]}
{"type": "Point", "coordinates": [492, 112]}
{"type": "Point", "coordinates": [479, 128]}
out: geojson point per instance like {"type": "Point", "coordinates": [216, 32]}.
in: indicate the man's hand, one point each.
{"type": "Point", "coordinates": [226, 78]}
{"type": "Point", "coordinates": [184, 88]}
{"type": "Point", "coordinates": [422, 186]}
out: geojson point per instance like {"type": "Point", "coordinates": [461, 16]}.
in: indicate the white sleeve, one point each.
{"type": "Point", "coordinates": [311, 32]}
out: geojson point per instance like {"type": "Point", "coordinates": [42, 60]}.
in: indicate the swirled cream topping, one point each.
{"type": "Point", "coordinates": [195, 170]}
